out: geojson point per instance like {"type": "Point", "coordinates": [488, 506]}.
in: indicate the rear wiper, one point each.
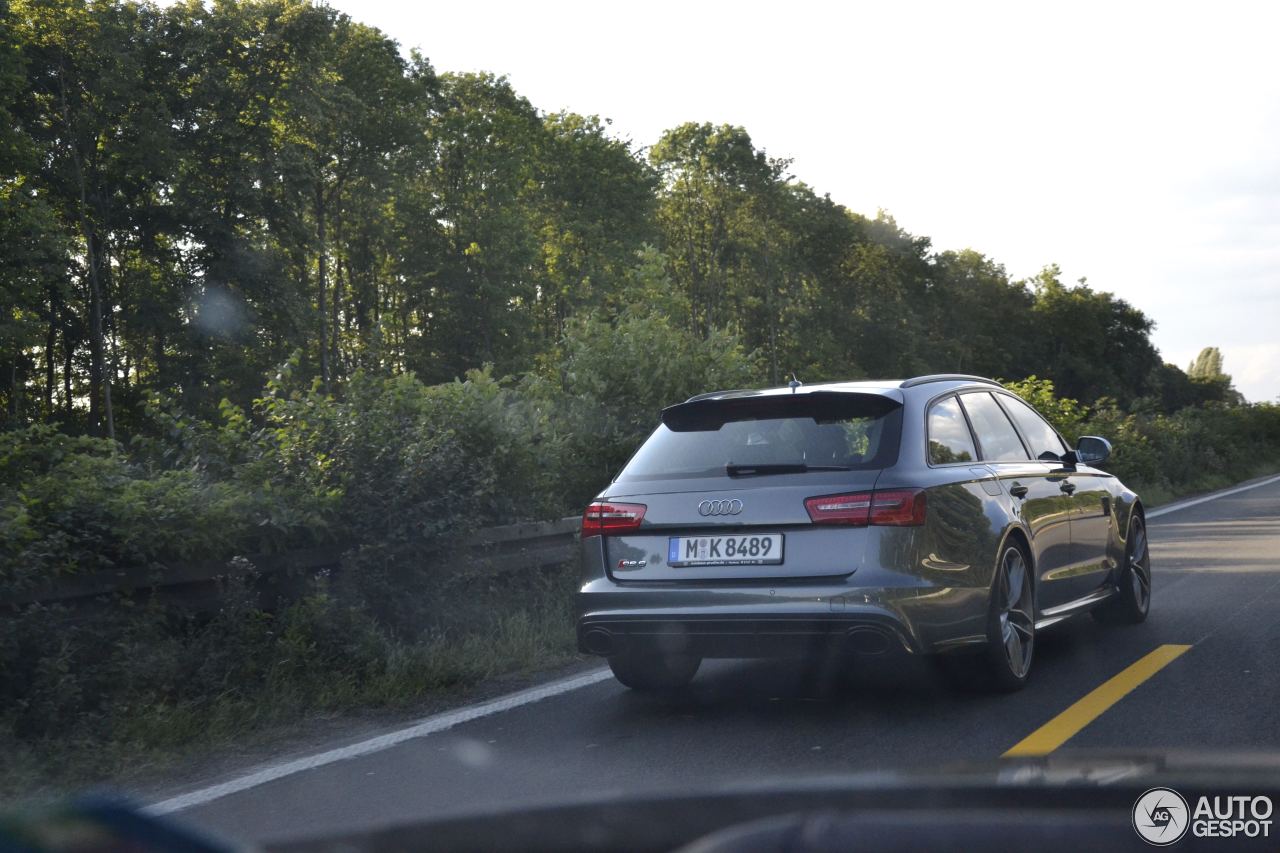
{"type": "Point", "coordinates": [734, 470]}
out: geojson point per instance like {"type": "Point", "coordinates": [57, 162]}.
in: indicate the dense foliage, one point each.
{"type": "Point", "coordinates": [1163, 455]}
{"type": "Point", "coordinates": [190, 195]}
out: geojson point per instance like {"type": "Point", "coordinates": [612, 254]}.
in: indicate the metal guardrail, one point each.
{"type": "Point", "coordinates": [197, 586]}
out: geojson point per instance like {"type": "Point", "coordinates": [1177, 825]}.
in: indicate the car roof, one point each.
{"type": "Point", "coordinates": [882, 387]}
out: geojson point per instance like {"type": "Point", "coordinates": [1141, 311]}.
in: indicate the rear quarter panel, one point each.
{"type": "Point", "coordinates": [964, 524]}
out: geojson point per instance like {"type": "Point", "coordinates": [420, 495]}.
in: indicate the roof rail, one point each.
{"type": "Point", "coordinates": [946, 377]}
{"type": "Point", "coordinates": [708, 395]}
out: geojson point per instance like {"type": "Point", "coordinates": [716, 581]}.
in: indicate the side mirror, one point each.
{"type": "Point", "coordinates": [1092, 450]}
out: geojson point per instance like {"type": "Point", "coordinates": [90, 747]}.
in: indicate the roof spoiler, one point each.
{"type": "Point", "coordinates": [708, 414]}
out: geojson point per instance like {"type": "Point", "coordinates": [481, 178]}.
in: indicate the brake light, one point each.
{"type": "Point", "coordinates": [898, 508]}
{"type": "Point", "coordinates": [852, 509]}
{"type": "Point", "coordinates": [603, 518]}
{"type": "Point", "coordinates": [891, 507]}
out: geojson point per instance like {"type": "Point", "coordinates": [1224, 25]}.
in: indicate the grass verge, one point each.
{"type": "Point", "coordinates": [1157, 496]}
{"type": "Point", "coordinates": [321, 660]}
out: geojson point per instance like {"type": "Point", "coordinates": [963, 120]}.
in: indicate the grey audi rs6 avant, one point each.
{"type": "Point", "coordinates": [937, 515]}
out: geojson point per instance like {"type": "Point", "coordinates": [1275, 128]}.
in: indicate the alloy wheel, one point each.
{"type": "Point", "coordinates": [1017, 624]}
{"type": "Point", "coordinates": [1140, 567]}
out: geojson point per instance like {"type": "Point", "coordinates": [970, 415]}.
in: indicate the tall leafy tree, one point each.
{"type": "Point", "coordinates": [714, 211]}
{"type": "Point", "coordinates": [597, 212]}
{"type": "Point", "coordinates": [1207, 365]}
{"type": "Point", "coordinates": [482, 183]}
{"type": "Point", "coordinates": [33, 252]}
{"type": "Point", "coordinates": [978, 318]}
{"type": "Point", "coordinates": [1093, 344]}
{"type": "Point", "coordinates": [94, 78]}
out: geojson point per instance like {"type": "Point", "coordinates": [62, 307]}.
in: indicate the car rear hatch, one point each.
{"type": "Point", "coordinates": [749, 487]}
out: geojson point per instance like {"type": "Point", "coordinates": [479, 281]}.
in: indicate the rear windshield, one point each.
{"type": "Point", "coordinates": [856, 431]}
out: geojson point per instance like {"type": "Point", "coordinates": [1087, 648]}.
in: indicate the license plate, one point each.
{"type": "Point", "coordinates": [757, 549]}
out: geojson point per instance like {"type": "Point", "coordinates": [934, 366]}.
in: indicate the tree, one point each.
{"type": "Point", "coordinates": [477, 302]}
{"type": "Point", "coordinates": [1207, 366]}
{"type": "Point", "coordinates": [1209, 381]}
{"type": "Point", "coordinates": [597, 210]}
{"type": "Point", "coordinates": [33, 249]}
{"type": "Point", "coordinates": [1091, 344]}
{"type": "Point", "coordinates": [978, 319]}
{"type": "Point", "coordinates": [716, 203]}
{"type": "Point", "coordinates": [94, 106]}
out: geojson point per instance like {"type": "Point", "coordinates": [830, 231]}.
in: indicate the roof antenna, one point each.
{"type": "Point", "coordinates": [794, 383]}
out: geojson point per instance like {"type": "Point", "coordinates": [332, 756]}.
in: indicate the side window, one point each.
{"type": "Point", "coordinates": [949, 437]}
{"type": "Point", "coordinates": [1039, 434]}
{"type": "Point", "coordinates": [996, 435]}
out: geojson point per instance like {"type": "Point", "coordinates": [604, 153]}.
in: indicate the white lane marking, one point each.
{"type": "Point", "coordinates": [1174, 507]}
{"type": "Point", "coordinates": [430, 725]}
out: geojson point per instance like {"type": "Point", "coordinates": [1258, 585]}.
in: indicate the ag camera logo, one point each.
{"type": "Point", "coordinates": [1160, 816]}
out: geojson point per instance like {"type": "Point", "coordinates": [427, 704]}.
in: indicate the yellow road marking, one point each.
{"type": "Point", "coordinates": [1063, 727]}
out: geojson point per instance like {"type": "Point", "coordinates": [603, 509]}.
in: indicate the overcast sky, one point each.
{"type": "Point", "coordinates": [1135, 145]}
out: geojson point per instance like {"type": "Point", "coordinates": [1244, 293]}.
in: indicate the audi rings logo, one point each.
{"type": "Point", "coordinates": [731, 507]}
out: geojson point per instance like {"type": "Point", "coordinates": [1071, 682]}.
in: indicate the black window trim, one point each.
{"type": "Point", "coordinates": [928, 410]}
{"type": "Point", "coordinates": [1025, 441]}
{"type": "Point", "coordinates": [1026, 447]}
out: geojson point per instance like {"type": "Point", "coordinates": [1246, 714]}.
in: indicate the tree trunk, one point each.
{"type": "Point", "coordinates": [50, 341]}
{"type": "Point", "coordinates": [99, 378]}
{"type": "Point", "coordinates": [67, 353]}
{"type": "Point", "coordinates": [322, 284]}
{"type": "Point", "coordinates": [97, 386]}
{"type": "Point", "coordinates": [335, 360]}
{"type": "Point", "coordinates": [14, 391]}
{"type": "Point", "coordinates": [771, 309]}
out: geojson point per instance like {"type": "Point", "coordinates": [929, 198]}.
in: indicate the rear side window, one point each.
{"type": "Point", "coordinates": [996, 436]}
{"type": "Point", "coordinates": [1044, 441]}
{"type": "Point", "coordinates": [949, 437]}
{"type": "Point", "coordinates": [853, 431]}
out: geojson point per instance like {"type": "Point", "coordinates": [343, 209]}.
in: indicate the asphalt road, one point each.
{"type": "Point", "coordinates": [1216, 588]}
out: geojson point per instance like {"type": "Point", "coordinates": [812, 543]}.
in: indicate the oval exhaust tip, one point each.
{"type": "Point", "coordinates": [868, 641]}
{"type": "Point", "coordinates": [598, 641]}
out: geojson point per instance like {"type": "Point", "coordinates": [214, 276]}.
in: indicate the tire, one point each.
{"type": "Point", "coordinates": [1011, 622]}
{"type": "Point", "coordinates": [1132, 601]}
{"type": "Point", "coordinates": [650, 671]}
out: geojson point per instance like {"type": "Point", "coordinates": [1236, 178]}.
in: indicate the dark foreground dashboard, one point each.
{"type": "Point", "coordinates": [1061, 803]}
{"type": "Point", "coordinates": [1075, 801]}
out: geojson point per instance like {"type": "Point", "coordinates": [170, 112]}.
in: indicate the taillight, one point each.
{"type": "Point", "coordinates": [840, 509]}
{"type": "Point", "coordinates": [892, 507]}
{"type": "Point", "coordinates": [898, 507]}
{"type": "Point", "coordinates": [603, 518]}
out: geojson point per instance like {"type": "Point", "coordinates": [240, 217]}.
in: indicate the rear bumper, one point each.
{"type": "Point", "coordinates": [743, 636]}
{"type": "Point", "coordinates": [779, 619]}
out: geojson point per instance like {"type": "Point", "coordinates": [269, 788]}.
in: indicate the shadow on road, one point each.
{"type": "Point", "coordinates": [890, 684]}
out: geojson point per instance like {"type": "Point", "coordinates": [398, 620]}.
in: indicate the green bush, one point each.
{"type": "Point", "coordinates": [1066, 415]}
{"type": "Point", "coordinates": [1164, 455]}
{"type": "Point", "coordinates": [602, 393]}
{"type": "Point", "coordinates": [74, 504]}
{"type": "Point", "coordinates": [403, 460]}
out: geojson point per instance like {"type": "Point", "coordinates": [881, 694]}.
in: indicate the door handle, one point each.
{"type": "Point", "coordinates": [1068, 487]}
{"type": "Point", "coordinates": [1018, 490]}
